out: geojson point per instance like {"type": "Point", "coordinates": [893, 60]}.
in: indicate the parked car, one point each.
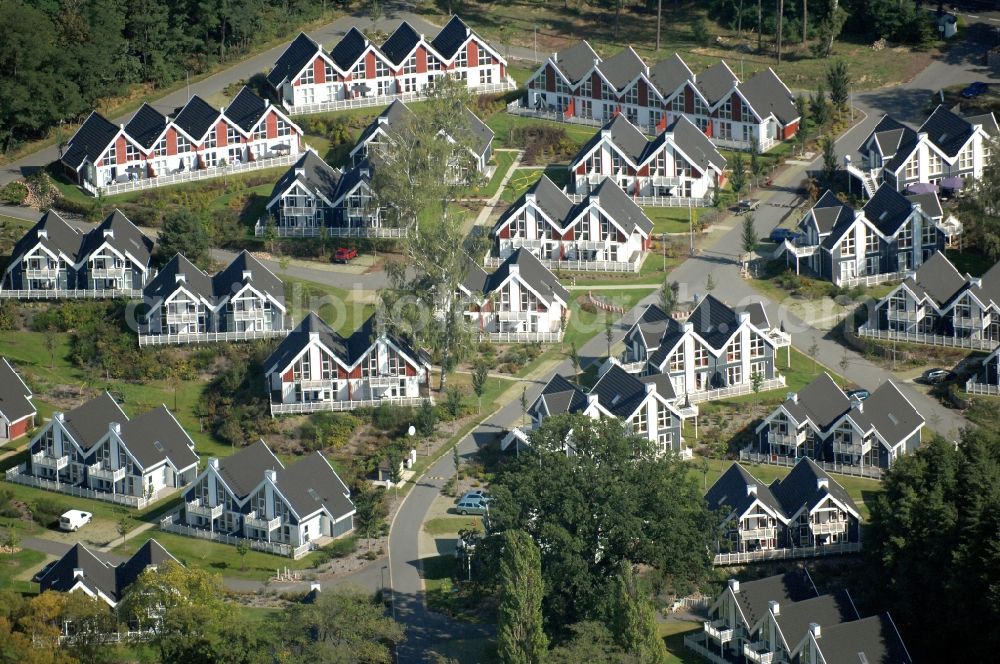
{"type": "Point", "coordinates": [73, 520]}
{"type": "Point", "coordinates": [779, 235]}
{"type": "Point", "coordinates": [975, 89]}
{"type": "Point", "coordinates": [477, 494]}
{"type": "Point", "coordinates": [861, 395]}
{"type": "Point", "coordinates": [935, 376]}
{"type": "Point", "coordinates": [471, 506]}
{"type": "Point", "coordinates": [345, 254]}
{"type": "Point", "coordinates": [45, 570]}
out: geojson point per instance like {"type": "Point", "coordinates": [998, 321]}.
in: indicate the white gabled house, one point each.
{"type": "Point", "coordinates": [519, 301]}
{"type": "Point", "coordinates": [17, 412]}
{"type": "Point", "coordinates": [314, 368]}
{"type": "Point", "coordinates": [252, 495]}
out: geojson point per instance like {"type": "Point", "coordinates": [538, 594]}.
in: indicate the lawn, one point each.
{"type": "Point", "coordinates": [672, 219]}
{"type": "Point", "coordinates": [12, 566]}
{"type": "Point", "coordinates": [343, 310]}
{"type": "Point", "coordinates": [438, 583]}
{"type": "Point", "coordinates": [449, 525]}
{"type": "Point", "coordinates": [503, 125]}
{"type": "Point", "coordinates": [524, 178]}
{"type": "Point", "coordinates": [672, 632]}
{"type": "Point", "coordinates": [504, 159]}
{"type": "Point", "coordinates": [583, 325]}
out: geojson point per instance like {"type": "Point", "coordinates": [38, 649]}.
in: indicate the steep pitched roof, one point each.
{"type": "Point", "coordinates": [150, 554]}
{"type": "Point", "coordinates": [451, 37]}
{"type": "Point", "coordinates": [714, 321]}
{"type": "Point", "coordinates": [620, 206]}
{"type": "Point", "coordinates": [988, 121]}
{"type": "Point", "coordinates": [146, 126]}
{"type": "Point", "coordinates": [246, 109]}
{"type": "Point", "coordinates": [89, 421]}
{"type": "Point", "coordinates": [716, 81]}
{"type": "Point", "coordinates": [562, 396]}
{"type": "Point", "coordinates": [480, 135]}
{"type": "Point", "coordinates": [891, 135]}
{"type": "Point", "coordinates": [887, 209]}
{"type": "Point", "coordinates": [531, 270]}
{"type": "Point", "coordinates": [947, 131]}
{"type": "Point", "coordinates": [313, 173]}
{"type": "Point", "coordinates": [165, 282]}
{"type": "Point", "coordinates": [874, 640]}
{"type": "Point", "coordinates": [669, 74]}
{"type": "Point", "coordinates": [549, 198]}
{"type": "Point", "coordinates": [794, 586]}
{"type": "Point", "coordinates": [768, 95]}
{"type": "Point", "coordinates": [664, 386]}
{"type": "Point", "coordinates": [693, 142]}
{"type": "Point", "coordinates": [350, 47]}
{"type": "Point", "coordinates": [623, 134]}
{"type": "Point", "coordinates": [232, 279]}
{"type": "Point", "coordinates": [15, 396]}
{"type": "Point", "coordinates": [929, 203]}
{"type": "Point", "coordinates": [802, 487]}
{"type": "Point", "coordinates": [937, 279]}
{"type": "Point", "coordinates": [119, 232]}
{"type": "Point", "coordinates": [829, 212]}
{"type": "Point", "coordinates": [298, 338]}
{"type": "Point", "coordinates": [244, 471]}
{"type": "Point", "coordinates": [155, 436]}
{"type": "Point", "coordinates": [890, 413]}
{"type": "Point", "coordinates": [622, 68]}
{"type": "Point", "coordinates": [90, 141]}
{"type": "Point", "coordinates": [296, 56]}
{"type": "Point", "coordinates": [196, 117]}
{"type": "Point", "coordinates": [822, 401]}
{"type": "Point", "coordinates": [400, 43]}
{"type": "Point", "coordinates": [95, 573]}
{"type": "Point", "coordinates": [737, 489]}
{"type": "Point", "coordinates": [619, 392]}
{"type": "Point", "coordinates": [574, 62]}
{"type": "Point", "coordinates": [652, 324]}
{"type": "Point", "coordinates": [311, 484]}
{"type": "Point", "coordinates": [52, 232]}
{"type": "Point", "coordinates": [825, 610]}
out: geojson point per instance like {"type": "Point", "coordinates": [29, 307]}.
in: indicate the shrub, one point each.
{"type": "Point", "coordinates": [45, 511]}
{"type": "Point", "coordinates": [342, 547]}
{"type": "Point", "coordinates": [453, 401]}
{"type": "Point", "coordinates": [699, 31]}
{"type": "Point", "coordinates": [391, 418]}
{"type": "Point", "coordinates": [328, 430]}
{"type": "Point", "coordinates": [13, 193]}
{"type": "Point", "coordinates": [544, 144]}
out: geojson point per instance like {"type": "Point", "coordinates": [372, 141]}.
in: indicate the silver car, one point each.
{"type": "Point", "coordinates": [471, 506]}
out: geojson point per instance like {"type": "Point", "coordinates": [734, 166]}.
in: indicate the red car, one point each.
{"type": "Point", "coordinates": [344, 254]}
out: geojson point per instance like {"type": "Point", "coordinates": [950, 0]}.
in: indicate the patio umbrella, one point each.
{"type": "Point", "coordinates": [922, 188]}
{"type": "Point", "coordinates": [954, 183]}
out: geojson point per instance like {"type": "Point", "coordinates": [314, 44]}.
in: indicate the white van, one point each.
{"type": "Point", "coordinates": [74, 520]}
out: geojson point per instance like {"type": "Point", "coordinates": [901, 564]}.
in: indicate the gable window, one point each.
{"type": "Point", "coordinates": [410, 66]}
{"type": "Point", "coordinates": [328, 74]}
{"type": "Point", "coordinates": [359, 70]}
{"type": "Point", "coordinates": [212, 139]}
{"type": "Point", "coordinates": [897, 302]}
{"type": "Point", "coordinates": [660, 163]}
{"type": "Point", "coordinates": [260, 131]}
{"type": "Point", "coordinates": [847, 244]}
{"type": "Point", "coordinates": [746, 115]}
{"type": "Point", "coordinates": [662, 417]}
{"type": "Point", "coordinates": [726, 110]}
{"type": "Point", "coordinates": [631, 96]}
{"type": "Point", "coordinates": [871, 242]}
{"type": "Point", "coordinates": [639, 422]}
{"type": "Point", "coordinates": [232, 136]}
{"type": "Point", "coordinates": [594, 162]}
{"type": "Point", "coordinates": [308, 76]}
{"type": "Point", "coordinates": [161, 147]}
{"type": "Point", "coordinates": [521, 225]}
{"type": "Point", "coordinates": [183, 145]}
{"type": "Point", "coordinates": [677, 361]}
{"type": "Point", "coordinates": [699, 106]}
{"type": "Point", "coordinates": [462, 59]}
{"type": "Point", "coordinates": [586, 88]}
{"type": "Point", "coordinates": [756, 345]}
{"type": "Point", "coordinates": [700, 355]}
{"type": "Point", "coordinates": [284, 129]}
{"type": "Point", "coordinates": [934, 164]}
{"type": "Point", "coordinates": [326, 366]}
{"type": "Point", "coordinates": [904, 239]}
{"type": "Point", "coordinates": [131, 152]}
{"type": "Point", "coordinates": [735, 351]}
{"type": "Point", "coordinates": [617, 163]}
{"type": "Point", "coordinates": [677, 103]}
{"type": "Point", "coordinates": [912, 168]}
{"type": "Point", "coordinates": [433, 64]}
{"type": "Point", "coordinates": [300, 370]}
{"type": "Point", "coordinates": [381, 69]}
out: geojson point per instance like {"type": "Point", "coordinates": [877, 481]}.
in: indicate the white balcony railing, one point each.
{"type": "Point", "coordinates": [385, 100]}
{"type": "Point", "coordinates": [785, 439]}
{"type": "Point", "coordinates": [195, 508]}
{"type": "Point", "coordinates": [320, 406]}
{"type": "Point", "coordinates": [828, 527]}
{"type": "Point", "coordinates": [75, 294]}
{"type": "Point", "coordinates": [579, 266]}
{"type": "Point", "coordinates": [974, 322]}
{"type": "Point", "coordinates": [43, 460]}
{"type": "Point", "coordinates": [107, 273]}
{"type": "Point", "coordinates": [249, 314]}
{"type": "Point", "coordinates": [207, 337]}
{"type": "Point", "coordinates": [718, 630]}
{"type": "Point", "coordinates": [198, 174]}
{"type": "Point", "coordinates": [758, 652]}
{"type": "Point", "coordinates": [974, 386]}
{"type": "Point", "coordinates": [314, 383]}
{"type": "Point", "coordinates": [793, 553]}
{"type": "Point", "coordinates": [182, 317]}
{"type": "Point", "coordinates": [98, 472]}
{"type": "Point", "coordinates": [253, 521]}
{"type": "Point", "coordinates": [758, 533]}
{"type": "Point", "coordinates": [361, 230]}
{"type": "Point", "coordinates": [909, 315]}
{"type": "Point", "coordinates": [43, 273]}
{"type": "Point", "coordinates": [735, 390]}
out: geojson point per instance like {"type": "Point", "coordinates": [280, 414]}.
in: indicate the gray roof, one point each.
{"type": "Point", "coordinates": [652, 324]}
{"type": "Point", "coordinates": [231, 280]}
{"type": "Point", "coordinates": [90, 141]}
{"type": "Point", "coordinates": [758, 317]}
{"type": "Point", "coordinates": [311, 484]}
{"type": "Point", "coordinates": [929, 203]}
{"type": "Point", "coordinates": [15, 396]}
{"type": "Point", "coordinates": [293, 59]}
{"type": "Point", "coordinates": [619, 392]}
{"type": "Point", "coordinates": [946, 130]}
{"type": "Point", "coordinates": [165, 281]}
{"type": "Point", "coordinates": [794, 586]}
{"type": "Point", "coordinates": [829, 212]}
{"type": "Point", "coordinates": [821, 401]}
{"type": "Point", "coordinates": [693, 142]}
{"type": "Point", "coordinates": [895, 140]}
{"type": "Point", "coordinates": [531, 270]}
{"type": "Point", "coordinates": [664, 386]}
{"type": "Point", "coordinates": [623, 210]}
{"type": "Point", "coordinates": [312, 173]}
{"type": "Point", "coordinates": [826, 611]}
{"type": "Point", "coordinates": [89, 422]}
{"type": "Point", "coordinates": [732, 491]}
{"type": "Point", "coordinates": [197, 117]}
{"type": "Point", "coordinates": [146, 126]}
{"type": "Point", "coordinates": [889, 412]}
{"type": "Point", "coordinates": [622, 68]}
{"type": "Point", "coordinates": [669, 74]}
{"type": "Point", "coordinates": [937, 279]}
{"type": "Point", "coordinates": [479, 137]}
{"type": "Point", "coordinates": [59, 237]}
{"type": "Point", "coordinates": [714, 321]}
{"type": "Point", "coordinates": [888, 209]}
{"type": "Point", "coordinates": [801, 488]}
{"type": "Point", "coordinates": [98, 573]}
{"type": "Point", "coordinates": [247, 108]}
{"type": "Point", "coordinates": [574, 62]}
{"type": "Point", "coordinates": [124, 237]}
{"type": "Point", "coordinates": [156, 436]}
{"type": "Point", "coordinates": [874, 640]}
{"type": "Point", "coordinates": [716, 82]}
{"type": "Point", "coordinates": [625, 136]}
{"type": "Point", "coordinates": [400, 43]}
{"type": "Point", "coordinates": [149, 554]}
{"type": "Point", "coordinates": [561, 396]}
{"type": "Point", "coordinates": [244, 471]}
{"type": "Point", "coordinates": [988, 121]}
{"type": "Point", "coordinates": [767, 95]}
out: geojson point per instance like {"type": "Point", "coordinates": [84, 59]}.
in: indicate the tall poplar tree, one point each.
{"type": "Point", "coordinates": [520, 637]}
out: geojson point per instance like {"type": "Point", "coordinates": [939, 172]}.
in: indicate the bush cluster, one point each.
{"type": "Point", "coordinates": [544, 144]}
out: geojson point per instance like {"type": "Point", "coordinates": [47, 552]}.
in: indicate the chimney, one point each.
{"type": "Point", "coordinates": [597, 61]}
{"type": "Point", "coordinates": [122, 127]}
{"type": "Point", "coordinates": [734, 585]}
{"type": "Point", "coordinates": [530, 197]}
{"type": "Point", "coordinates": [743, 317]}
{"type": "Point", "coordinates": [815, 630]}
{"type": "Point", "coordinates": [108, 233]}
{"type": "Point", "coordinates": [650, 388]}
{"type": "Point", "coordinates": [688, 327]}
{"type": "Point", "coordinates": [592, 399]}
{"type": "Point", "coordinates": [115, 428]}
{"type": "Point", "coordinates": [751, 489]}
{"type": "Point", "coordinates": [247, 275]}
{"type": "Point", "coordinates": [793, 397]}
{"type": "Point", "coordinates": [315, 587]}
{"type": "Point", "coordinates": [60, 417]}
{"type": "Point", "coordinates": [180, 278]}
{"type": "Point", "coordinates": [267, 103]}
{"type": "Point", "coordinates": [300, 172]}
{"type": "Point", "coordinates": [605, 133]}
{"type": "Point", "coordinates": [976, 281]}
{"type": "Point", "coordinates": [514, 268]}
{"type": "Point", "coordinates": [313, 336]}
{"type": "Point", "coordinates": [77, 573]}
{"type": "Point", "coordinates": [43, 234]}
{"type": "Point", "coordinates": [272, 475]}
{"type": "Point", "coordinates": [822, 483]}
{"type": "Point", "coordinates": [774, 607]}
{"type": "Point", "coordinates": [214, 463]}
{"type": "Point", "coordinates": [382, 120]}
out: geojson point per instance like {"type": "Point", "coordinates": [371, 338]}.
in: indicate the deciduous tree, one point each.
{"type": "Point", "coordinates": [520, 637]}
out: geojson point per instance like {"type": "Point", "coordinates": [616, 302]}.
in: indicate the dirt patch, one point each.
{"type": "Point", "coordinates": [68, 397]}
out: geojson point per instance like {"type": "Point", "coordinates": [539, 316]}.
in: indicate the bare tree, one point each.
{"type": "Point", "coordinates": [781, 13]}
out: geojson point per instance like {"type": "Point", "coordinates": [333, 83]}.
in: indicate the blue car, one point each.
{"type": "Point", "coordinates": [975, 90]}
{"type": "Point", "coordinates": [779, 235]}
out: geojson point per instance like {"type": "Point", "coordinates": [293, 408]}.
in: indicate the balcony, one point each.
{"type": "Point", "coordinates": [98, 472]}
{"type": "Point", "coordinates": [384, 380]}
{"type": "Point", "coordinates": [719, 631]}
{"type": "Point", "coordinates": [518, 242]}
{"type": "Point", "coordinates": [853, 449]}
{"type": "Point", "coordinates": [908, 315]}
{"type": "Point", "coordinates": [315, 384]}
{"type": "Point", "coordinates": [786, 439]}
{"type": "Point", "coordinates": [514, 315]}
{"type": "Point", "coordinates": [297, 211]}
{"type": "Point", "coordinates": [758, 652]}
{"type": "Point", "coordinates": [974, 322]}
{"type": "Point", "coordinates": [664, 181]}
{"type": "Point", "coordinates": [195, 508]}
{"type": "Point", "coordinates": [182, 317]}
{"type": "Point", "coordinates": [252, 313]}
{"type": "Point", "coordinates": [42, 273]}
{"type": "Point", "coordinates": [251, 520]}
{"type": "Point", "coordinates": [41, 459]}
{"type": "Point", "coordinates": [758, 533]}
{"type": "Point", "coordinates": [107, 272]}
{"type": "Point", "coordinates": [828, 527]}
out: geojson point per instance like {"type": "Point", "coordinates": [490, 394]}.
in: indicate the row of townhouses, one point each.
{"type": "Point", "coordinates": [646, 405]}
{"type": "Point", "coordinates": [947, 151]}
{"type": "Point", "coordinates": [195, 142]}
{"type": "Point", "coordinates": [678, 167]}
{"type": "Point", "coordinates": [714, 353]}
{"type": "Point", "coordinates": [17, 410]}
{"type": "Point", "coordinates": [603, 230]}
{"type": "Point", "coordinates": [312, 195]}
{"type": "Point", "coordinates": [577, 85]}
{"type": "Point", "coordinates": [807, 509]}
{"type": "Point", "coordinates": [822, 423]}
{"type": "Point", "coordinates": [184, 304]}
{"type": "Point", "coordinates": [55, 260]}
{"type": "Point", "coordinates": [888, 238]}
{"type": "Point", "coordinates": [93, 574]}
{"type": "Point", "coordinates": [98, 448]}
{"type": "Point", "coordinates": [358, 72]}
{"type": "Point", "coordinates": [253, 495]}
{"type": "Point", "coordinates": [784, 618]}
{"type": "Point", "coordinates": [939, 303]}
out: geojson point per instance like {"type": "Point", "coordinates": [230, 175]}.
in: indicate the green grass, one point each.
{"type": "Point", "coordinates": [12, 566]}
{"type": "Point", "coordinates": [672, 633]}
{"type": "Point", "coordinates": [341, 309]}
{"type": "Point", "coordinates": [438, 583]}
{"type": "Point", "coordinates": [449, 525]}
{"type": "Point", "coordinates": [524, 178]}
{"type": "Point", "coordinates": [671, 219]}
{"type": "Point", "coordinates": [503, 125]}
{"type": "Point", "coordinates": [504, 160]}
{"type": "Point", "coordinates": [583, 325]}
